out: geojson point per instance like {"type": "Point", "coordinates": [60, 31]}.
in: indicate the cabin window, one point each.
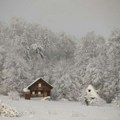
{"type": "Point", "coordinates": [39, 85]}
{"type": "Point", "coordinates": [33, 93]}
{"type": "Point", "coordinates": [39, 93]}
{"type": "Point", "coordinates": [89, 90]}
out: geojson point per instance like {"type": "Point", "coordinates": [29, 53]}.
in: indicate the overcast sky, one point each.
{"type": "Point", "coordinates": [75, 17]}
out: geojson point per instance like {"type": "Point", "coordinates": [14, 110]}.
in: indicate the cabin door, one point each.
{"type": "Point", "coordinates": [45, 93]}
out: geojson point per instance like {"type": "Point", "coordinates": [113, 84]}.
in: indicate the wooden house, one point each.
{"type": "Point", "coordinates": [39, 88]}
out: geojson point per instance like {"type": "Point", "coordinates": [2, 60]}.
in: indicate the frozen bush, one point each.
{"type": "Point", "coordinates": [116, 101]}
{"type": "Point", "coordinates": [7, 111]}
{"type": "Point", "coordinates": [94, 101]}
{"type": "Point", "coordinates": [14, 95]}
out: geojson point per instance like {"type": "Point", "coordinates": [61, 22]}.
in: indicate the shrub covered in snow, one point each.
{"type": "Point", "coordinates": [116, 101]}
{"type": "Point", "coordinates": [94, 101]}
{"type": "Point", "coordinates": [14, 95]}
{"type": "Point", "coordinates": [46, 98]}
{"type": "Point", "coordinates": [63, 99]}
{"type": "Point", "coordinates": [8, 111]}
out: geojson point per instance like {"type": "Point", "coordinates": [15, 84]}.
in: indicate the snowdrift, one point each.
{"type": "Point", "coordinates": [7, 111]}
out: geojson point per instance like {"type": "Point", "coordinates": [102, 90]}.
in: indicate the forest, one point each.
{"type": "Point", "coordinates": [29, 51]}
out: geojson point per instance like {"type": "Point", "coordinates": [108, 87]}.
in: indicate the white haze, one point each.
{"type": "Point", "coordinates": [75, 17]}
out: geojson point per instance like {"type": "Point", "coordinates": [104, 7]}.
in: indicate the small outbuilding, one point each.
{"type": "Point", "coordinates": [39, 88]}
{"type": "Point", "coordinates": [92, 92]}
{"type": "Point", "coordinates": [92, 97]}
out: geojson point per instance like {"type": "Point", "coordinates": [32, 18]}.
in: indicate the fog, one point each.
{"type": "Point", "coordinates": [75, 17]}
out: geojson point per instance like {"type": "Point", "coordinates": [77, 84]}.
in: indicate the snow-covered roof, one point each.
{"type": "Point", "coordinates": [26, 90]}
{"type": "Point", "coordinates": [36, 81]}
{"type": "Point", "coordinates": [92, 92]}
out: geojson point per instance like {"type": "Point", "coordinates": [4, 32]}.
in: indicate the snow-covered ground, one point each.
{"type": "Point", "coordinates": [35, 109]}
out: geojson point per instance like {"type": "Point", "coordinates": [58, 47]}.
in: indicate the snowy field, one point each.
{"type": "Point", "coordinates": [35, 109]}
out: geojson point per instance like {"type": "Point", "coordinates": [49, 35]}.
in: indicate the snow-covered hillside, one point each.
{"type": "Point", "coordinates": [35, 109]}
{"type": "Point", "coordinates": [29, 51]}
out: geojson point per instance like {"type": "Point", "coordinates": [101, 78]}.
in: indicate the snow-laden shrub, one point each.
{"type": "Point", "coordinates": [14, 95]}
{"type": "Point", "coordinates": [63, 99]}
{"type": "Point", "coordinates": [8, 111]}
{"type": "Point", "coordinates": [95, 101]}
{"type": "Point", "coordinates": [116, 101]}
{"type": "Point", "coordinates": [46, 98]}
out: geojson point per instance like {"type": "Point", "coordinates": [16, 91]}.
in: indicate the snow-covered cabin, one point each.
{"type": "Point", "coordinates": [92, 97]}
{"type": "Point", "coordinates": [38, 88]}
{"type": "Point", "coordinates": [92, 92]}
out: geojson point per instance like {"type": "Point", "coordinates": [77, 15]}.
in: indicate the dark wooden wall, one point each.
{"type": "Point", "coordinates": [45, 89]}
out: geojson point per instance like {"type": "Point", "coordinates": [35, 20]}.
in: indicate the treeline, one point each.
{"type": "Point", "coordinates": [29, 51]}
